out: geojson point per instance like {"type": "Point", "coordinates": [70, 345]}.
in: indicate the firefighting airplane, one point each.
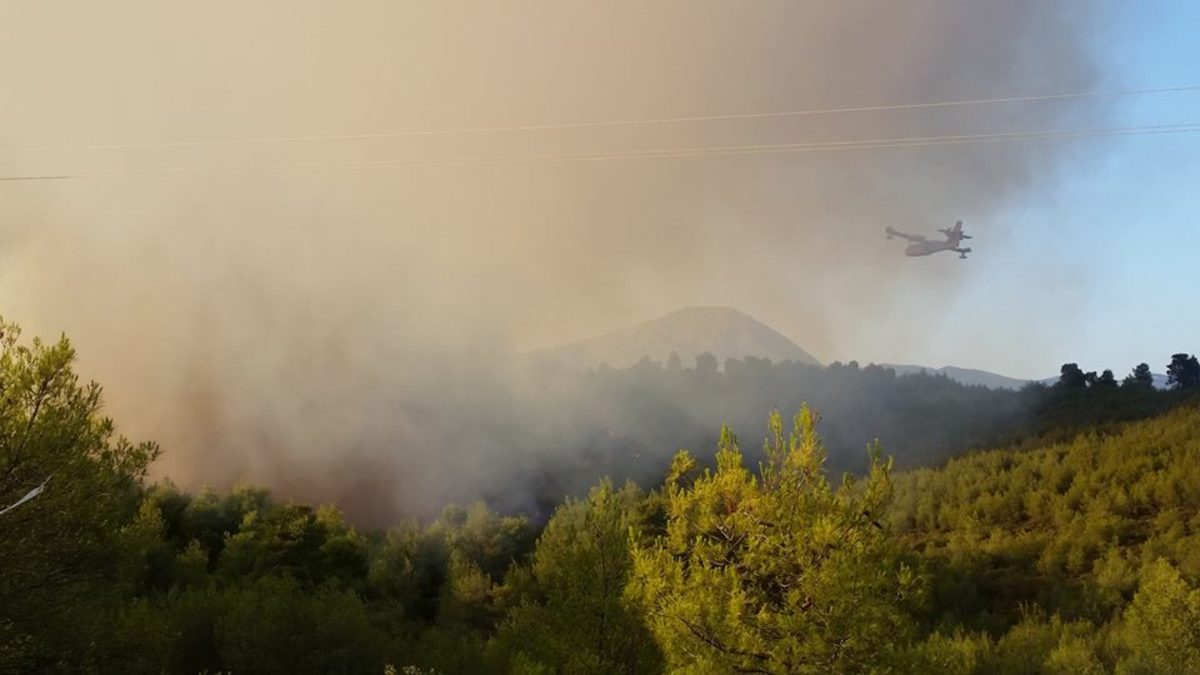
{"type": "Point", "coordinates": [922, 246]}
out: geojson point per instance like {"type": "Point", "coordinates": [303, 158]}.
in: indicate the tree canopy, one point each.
{"type": "Point", "coordinates": [1073, 551]}
{"type": "Point", "coordinates": [61, 559]}
{"type": "Point", "coordinates": [777, 572]}
{"type": "Point", "coordinates": [1183, 371]}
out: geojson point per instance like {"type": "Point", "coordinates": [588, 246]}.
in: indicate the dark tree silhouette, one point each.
{"type": "Point", "coordinates": [1072, 377]}
{"type": "Point", "coordinates": [1183, 372]}
{"type": "Point", "coordinates": [1140, 377]}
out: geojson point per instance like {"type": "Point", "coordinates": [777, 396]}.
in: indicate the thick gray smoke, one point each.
{"type": "Point", "coordinates": [313, 328]}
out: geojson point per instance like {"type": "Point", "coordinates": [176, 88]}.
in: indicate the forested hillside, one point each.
{"type": "Point", "coordinates": [1081, 556]}
{"type": "Point", "coordinates": [1069, 556]}
{"type": "Point", "coordinates": [565, 430]}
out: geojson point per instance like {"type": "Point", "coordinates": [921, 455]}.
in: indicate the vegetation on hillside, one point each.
{"type": "Point", "coordinates": [626, 424]}
{"type": "Point", "coordinates": [1076, 555]}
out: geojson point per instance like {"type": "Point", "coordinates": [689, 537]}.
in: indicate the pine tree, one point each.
{"type": "Point", "coordinates": [776, 572]}
{"type": "Point", "coordinates": [1183, 372]}
{"type": "Point", "coordinates": [1140, 377]}
{"type": "Point", "coordinates": [61, 556]}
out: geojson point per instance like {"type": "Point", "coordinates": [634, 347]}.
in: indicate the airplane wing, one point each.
{"type": "Point", "coordinates": [910, 237]}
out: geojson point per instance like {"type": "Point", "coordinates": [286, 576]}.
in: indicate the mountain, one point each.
{"type": "Point", "coordinates": [726, 332]}
{"type": "Point", "coordinates": [967, 376]}
{"type": "Point", "coordinates": [972, 376]}
{"type": "Point", "coordinates": [722, 331]}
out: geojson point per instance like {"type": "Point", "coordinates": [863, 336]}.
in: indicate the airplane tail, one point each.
{"type": "Point", "coordinates": [955, 234]}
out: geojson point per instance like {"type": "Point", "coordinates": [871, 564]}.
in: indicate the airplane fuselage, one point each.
{"type": "Point", "coordinates": [929, 247]}
{"type": "Point", "coordinates": [920, 246]}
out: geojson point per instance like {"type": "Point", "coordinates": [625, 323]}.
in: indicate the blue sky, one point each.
{"type": "Point", "coordinates": [1138, 214]}
{"type": "Point", "coordinates": [1094, 264]}
{"type": "Point", "coordinates": [1106, 269]}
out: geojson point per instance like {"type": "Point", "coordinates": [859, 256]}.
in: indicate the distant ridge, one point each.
{"type": "Point", "coordinates": [972, 376]}
{"type": "Point", "coordinates": [729, 333]}
{"type": "Point", "coordinates": [967, 376]}
{"type": "Point", "coordinates": [724, 332]}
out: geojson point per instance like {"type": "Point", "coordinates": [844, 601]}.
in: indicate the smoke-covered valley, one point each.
{"type": "Point", "coordinates": [341, 316]}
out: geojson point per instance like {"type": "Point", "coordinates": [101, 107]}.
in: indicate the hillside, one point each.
{"type": "Point", "coordinates": [967, 376]}
{"type": "Point", "coordinates": [975, 377]}
{"type": "Point", "coordinates": [723, 332]}
{"type": "Point", "coordinates": [1078, 556]}
{"type": "Point", "coordinates": [1068, 527]}
{"type": "Point", "coordinates": [726, 333]}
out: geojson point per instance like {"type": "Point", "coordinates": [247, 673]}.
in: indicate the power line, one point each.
{"type": "Point", "coordinates": [704, 151]}
{"type": "Point", "coordinates": [24, 178]}
{"type": "Point", "coordinates": [1028, 98]}
{"type": "Point", "coordinates": [865, 144]}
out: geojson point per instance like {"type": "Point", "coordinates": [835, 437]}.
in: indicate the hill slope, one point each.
{"type": "Point", "coordinates": [722, 331]}
{"type": "Point", "coordinates": [974, 376]}
{"type": "Point", "coordinates": [967, 376]}
{"type": "Point", "coordinates": [1065, 526]}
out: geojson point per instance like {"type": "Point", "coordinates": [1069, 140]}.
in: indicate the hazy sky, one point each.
{"type": "Point", "coordinates": [196, 293]}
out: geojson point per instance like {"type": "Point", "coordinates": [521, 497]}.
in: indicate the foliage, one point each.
{"type": "Point", "coordinates": [1183, 372]}
{"type": "Point", "coordinates": [1161, 628]}
{"type": "Point", "coordinates": [575, 617]}
{"type": "Point", "coordinates": [1140, 377]}
{"type": "Point", "coordinates": [774, 573]}
{"type": "Point", "coordinates": [627, 423]}
{"type": "Point", "coordinates": [1072, 377]}
{"type": "Point", "coordinates": [1076, 550]}
{"type": "Point", "coordinates": [61, 559]}
{"type": "Point", "coordinates": [1100, 533]}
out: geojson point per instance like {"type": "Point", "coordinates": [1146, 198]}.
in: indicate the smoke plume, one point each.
{"type": "Point", "coordinates": [317, 328]}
